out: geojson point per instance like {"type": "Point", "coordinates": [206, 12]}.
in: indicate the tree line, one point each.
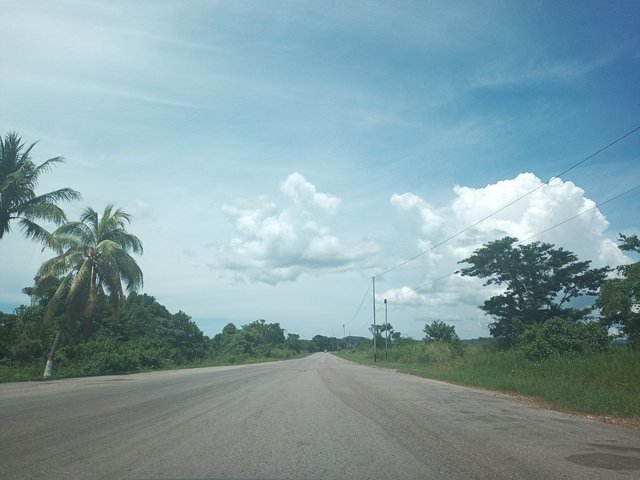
{"type": "Point", "coordinates": [143, 336]}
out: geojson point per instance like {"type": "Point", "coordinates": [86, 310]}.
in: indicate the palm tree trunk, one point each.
{"type": "Point", "coordinates": [48, 370]}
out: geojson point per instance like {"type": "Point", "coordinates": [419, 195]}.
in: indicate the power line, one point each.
{"type": "Point", "coordinates": [509, 204]}
{"type": "Point", "coordinates": [364, 297]}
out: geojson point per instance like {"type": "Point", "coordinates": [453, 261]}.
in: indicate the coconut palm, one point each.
{"type": "Point", "coordinates": [93, 263]}
{"type": "Point", "coordinates": [19, 177]}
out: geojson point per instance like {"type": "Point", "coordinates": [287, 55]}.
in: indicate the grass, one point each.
{"type": "Point", "coordinates": [604, 384]}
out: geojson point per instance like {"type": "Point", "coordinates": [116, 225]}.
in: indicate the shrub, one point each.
{"type": "Point", "coordinates": [559, 336]}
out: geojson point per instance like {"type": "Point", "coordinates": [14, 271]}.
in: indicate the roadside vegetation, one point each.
{"type": "Point", "coordinates": [601, 383]}
{"type": "Point", "coordinates": [584, 359]}
{"type": "Point", "coordinates": [144, 336]}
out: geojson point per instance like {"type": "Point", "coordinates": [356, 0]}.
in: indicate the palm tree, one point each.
{"type": "Point", "coordinates": [18, 201]}
{"type": "Point", "coordinates": [93, 262]}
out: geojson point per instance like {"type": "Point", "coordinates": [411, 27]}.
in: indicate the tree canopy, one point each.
{"type": "Point", "coordinates": [540, 282]}
{"type": "Point", "coordinates": [619, 299]}
{"type": "Point", "coordinates": [19, 177]}
{"type": "Point", "coordinates": [93, 261]}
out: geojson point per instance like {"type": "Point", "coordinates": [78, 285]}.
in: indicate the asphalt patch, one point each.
{"type": "Point", "coordinates": [608, 461]}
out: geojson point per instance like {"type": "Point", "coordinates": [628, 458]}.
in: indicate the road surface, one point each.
{"type": "Point", "coordinates": [315, 418]}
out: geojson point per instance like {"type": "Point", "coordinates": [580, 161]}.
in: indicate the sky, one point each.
{"type": "Point", "coordinates": [276, 155]}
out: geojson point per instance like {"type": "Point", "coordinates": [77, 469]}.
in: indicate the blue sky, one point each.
{"type": "Point", "coordinates": [276, 155]}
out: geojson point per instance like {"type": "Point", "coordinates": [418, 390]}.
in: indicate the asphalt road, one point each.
{"type": "Point", "coordinates": [315, 418]}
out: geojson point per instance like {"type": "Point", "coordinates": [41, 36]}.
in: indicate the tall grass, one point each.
{"type": "Point", "coordinates": [604, 383]}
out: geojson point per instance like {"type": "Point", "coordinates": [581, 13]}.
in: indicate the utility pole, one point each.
{"type": "Point", "coordinates": [344, 336]}
{"type": "Point", "coordinates": [375, 333]}
{"type": "Point", "coordinates": [386, 329]}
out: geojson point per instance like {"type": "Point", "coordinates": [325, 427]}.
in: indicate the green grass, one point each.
{"type": "Point", "coordinates": [606, 383]}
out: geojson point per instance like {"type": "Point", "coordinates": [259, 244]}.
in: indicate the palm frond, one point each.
{"type": "Point", "coordinates": [47, 164]}
{"type": "Point", "coordinates": [127, 241]}
{"type": "Point", "coordinates": [60, 195]}
{"type": "Point", "coordinates": [91, 219]}
{"type": "Point", "coordinates": [54, 267]}
{"type": "Point", "coordinates": [120, 216]}
{"type": "Point", "coordinates": [130, 272]}
{"type": "Point", "coordinates": [43, 211]}
{"type": "Point", "coordinates": [77, 232]}
{"type": "Point", "coordinates": [34, 231]}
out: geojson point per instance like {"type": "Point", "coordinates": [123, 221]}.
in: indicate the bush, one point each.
{"type": "Point", "coordinates": [440, 332]}
{"type": "Point", "coordinates": [561, 337]}
{"type": "Point", "coordinates": [104, 355]}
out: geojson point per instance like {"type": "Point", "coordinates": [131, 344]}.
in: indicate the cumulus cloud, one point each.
{"type": "Point", "coordinates": [547, 206]}
{"type": "Point", "coordinates": [302, 192]}
{"type": "Point", "coordinates": [277, 244]}
{"type": "Point", "coordinates": [408, 202]}
{"type": "Point", "coordinates": [454, 291]}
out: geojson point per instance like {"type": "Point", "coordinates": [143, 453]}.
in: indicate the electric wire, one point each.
{"type": "Point", "coordinates": [364, 297]}
{"type": "Point", "coordinates": [509, 204]}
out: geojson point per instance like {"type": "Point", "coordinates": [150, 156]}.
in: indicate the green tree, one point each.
{"type": "Point", "coordinates": [93, 262]}
{"type": "Point", "coordinates": [619, 299]}
{"type": "Point", "coordinates": [293, 342]}
{"type": "Point", "coordinates": [255, 338]}
{"type": "Point", "coordinates": [19, 177]}
{"type": "Point", "coordinates": [321, 342]}
{"type": "Point", "coordinates": [440, 332]}
{"type": "Point", "coordinates": [383, 333]}
{"type": "Point", "coordinates": [540, 282]}
{"type": "Point", "coordinates": [229, 329]}
{"type": "Point", "coordinates": [377, 331]}
{"type": "Point", "coordinates": [265, 334]}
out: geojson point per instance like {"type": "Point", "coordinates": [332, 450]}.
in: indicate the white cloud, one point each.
{"type": "Point", "coordinates": [298, 189]}
{"type": "Point", "coordinates": [403, 296]}
{"type": "Point", "coordinates": [548, 205]}
{"type": "Point", "coordinates": [409, 202]}
{"type": "Point", "coordinates": [280, 244]}
{"type": "Point", "coordinates": [454, 291]}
